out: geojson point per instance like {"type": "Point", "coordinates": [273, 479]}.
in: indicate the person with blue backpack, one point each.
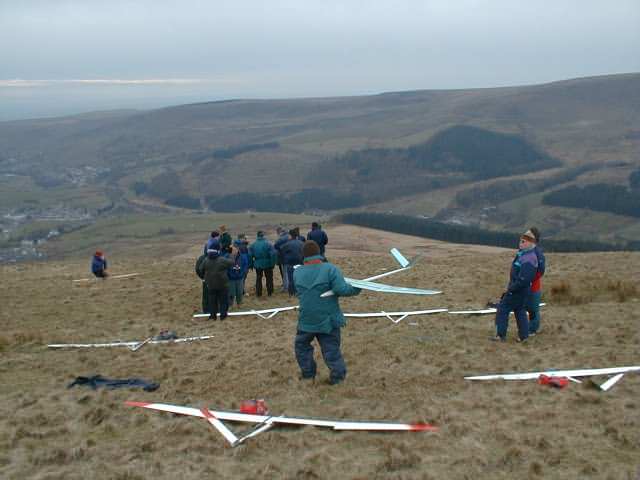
{"type": "Point", "coordinates": [237, 273]}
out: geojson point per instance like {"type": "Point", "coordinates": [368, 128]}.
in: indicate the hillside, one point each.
{"type": "Point", "coordinates": [411, 371]}
{"type": "Point", "coordinates": [411, 147]}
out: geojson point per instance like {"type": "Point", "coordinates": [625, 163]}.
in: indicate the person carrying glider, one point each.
{"type": "Point", "coordinates": [320, 317]}
{"type": "Point", "coordinates": [99, 265]}
{"type": "Point", "coordinates": [523, 271]}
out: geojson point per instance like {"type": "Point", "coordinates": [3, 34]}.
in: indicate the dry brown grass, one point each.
{"type": "Point", "coordinates": [407, 372]}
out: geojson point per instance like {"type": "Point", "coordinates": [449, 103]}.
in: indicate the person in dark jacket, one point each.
{"type": "Point", "coordinates": [283, 237]}
{"type": "Point", "coordinates": [262, 257]}
{"type": "Point", "coordinates": [319, 236]}
{"type": "Point", "coordinates": [205, 290]}
{"type": "Point", "coordinates": [215, 237]}
{"type": "Point", "coordinates": [523, 271]}
{"type": "Point", "coordinates": [225, 238]}
{"type": "Point", "coordinates": [320, 317]}
{"type": "Point", "coordinates": [242, 244]}
{"type": "Point", "coordinates": [237, 273]}
{"type": "Point", "coordinates": [99, 265]}
{"type": "Point", "coordinates": [291, 253]}
{"type": "Point", "coordinates": [214, 271]}
{"type": "Point", "coordinates": [533, 300]}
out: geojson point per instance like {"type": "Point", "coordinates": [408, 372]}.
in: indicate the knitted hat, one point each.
{"type": "Point", "coordinates": [310, 248]}
{"type": "Point", "coordinates": [528, 235]}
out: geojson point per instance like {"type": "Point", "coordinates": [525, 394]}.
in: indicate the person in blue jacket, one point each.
{"type": "Point", "coordinates": [237, 273]}
{"type": "Point", "coordinates": [99, 265]}
{"type": "Point", "coordinates": [319, 317]}
{"type": "Point", "coordinates": [523, 271]}
{"type": "Point", "coordinates": [319, 236]}
{"type": "Point", "coordinates": [533, 301]}
{"type": "Point", "coordinates": [291, 253]}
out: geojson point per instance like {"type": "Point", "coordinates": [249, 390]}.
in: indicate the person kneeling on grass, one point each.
{"type": "Point", "coordinates": [99, 265]}
{"type": "Point", "coordinates": [214, 272]}
{"type": "Point", "coordinates": [318, 317]}
{"type": "Point", "coordinates": [523, 271]}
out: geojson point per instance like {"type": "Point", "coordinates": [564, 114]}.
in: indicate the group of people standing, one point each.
{"type": "Point", "coordinates": [524, 290]}
{"type": "Point", "coordinates": [224, 265]}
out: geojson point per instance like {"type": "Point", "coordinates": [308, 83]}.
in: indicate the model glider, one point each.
{"type": "Point", "coordinates": [482, 311]}
{"type": "Point", "coordinates": [126, 275]}
{"type": "Point", "coordinates": [264, 422]}
{"type": "Point", "coordinates": [572, 375]}
{"type": "Point", "coordinates": [369, 284]}
{"type": "Point", "coordinates": [133, 346]}
{"type": "Point", "coordinates": [267, 313]}
{"type": "Point", "coordinates": [395, 317]}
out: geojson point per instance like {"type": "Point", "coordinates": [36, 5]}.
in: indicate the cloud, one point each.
{"type": "Point", "coordinates": [20, 83]}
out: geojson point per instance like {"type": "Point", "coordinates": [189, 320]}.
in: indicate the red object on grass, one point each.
{"type": "Point", "coordinates": [254, 407]}
{"type": "Point", "coordinates": [558, 382]}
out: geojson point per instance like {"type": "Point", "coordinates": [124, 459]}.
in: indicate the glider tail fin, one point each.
{"type": "Point", "coordinates": [400, 258]}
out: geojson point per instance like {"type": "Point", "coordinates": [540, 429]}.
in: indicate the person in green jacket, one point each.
{"type": "Point", "coordinates": [262, 257]}
{"type": "Point", "coordinates": [318, 317]}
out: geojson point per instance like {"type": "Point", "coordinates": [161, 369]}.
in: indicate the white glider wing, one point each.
{"type": "Point", "coordinates": [381, 287]}
{"type": "Point", "coordinates": [395, 317]}
{"type": "Point", "coordinates": [266, 313]}
{"type": "Point", "coordinates": [265, 421]}
{"type": "Point", "coordinates": [482, 311]}
{"type": "Point", "coordinates": [618, 372]}
{"type": "Point", "coordinates": [131, 345]}
{"type": "Point", "coordinates": [369, 284]}
{"type": "Point", "coordinates": [126, 275]}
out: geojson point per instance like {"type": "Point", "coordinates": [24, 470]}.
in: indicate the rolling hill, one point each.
{"type": "Point", "coordinates": [485, 157]}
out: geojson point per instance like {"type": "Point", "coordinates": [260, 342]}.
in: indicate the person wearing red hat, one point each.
{"type": "Point", "coordinates": [99, 265]}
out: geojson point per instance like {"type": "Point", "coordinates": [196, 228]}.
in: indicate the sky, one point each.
{"type": "Point", "coordinates": [61, 57]}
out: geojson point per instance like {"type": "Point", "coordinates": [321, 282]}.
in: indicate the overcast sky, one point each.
{"type": "Point", "coordinates": [64, 56]}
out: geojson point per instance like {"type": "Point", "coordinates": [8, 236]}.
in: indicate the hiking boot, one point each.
{"type": "Point", "coordinates": [497, 338]}
{"type": "Point", "coordinates": [212, 317]}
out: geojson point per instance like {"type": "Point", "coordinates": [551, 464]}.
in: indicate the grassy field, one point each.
{"type": "Point", "coordinates": [412, 371]}
{"type": "Point", "coordinates": [166, 231]}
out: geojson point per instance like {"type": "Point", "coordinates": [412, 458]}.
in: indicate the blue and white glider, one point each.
{"type": "Point", "coordinates": [369, 284]}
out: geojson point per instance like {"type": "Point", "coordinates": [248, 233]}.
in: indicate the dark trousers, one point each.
{"type": "Point", "coordinates": [268, 273]}
{"type": "Point", "coordinates": [512, 303]}
{"type": "Point", "coordinates": [533, 307]}
{"type": "Point", "coordinates": [219, 302]}
{"type": "Point", "coordinates": [290, 285]}
{"type": "Point", "coordinates": [282, 272]}
{"type": "Point", "coordinates": [205, 298]}
{"type": "Point", "coordinates": [330, 347]}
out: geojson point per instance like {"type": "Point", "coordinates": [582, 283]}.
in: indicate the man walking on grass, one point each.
{"type": "Point", "coordinates": [320, 317]}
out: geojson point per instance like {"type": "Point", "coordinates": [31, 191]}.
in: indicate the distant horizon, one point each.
{"type": "Point", "coordinates": [156, 99]}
